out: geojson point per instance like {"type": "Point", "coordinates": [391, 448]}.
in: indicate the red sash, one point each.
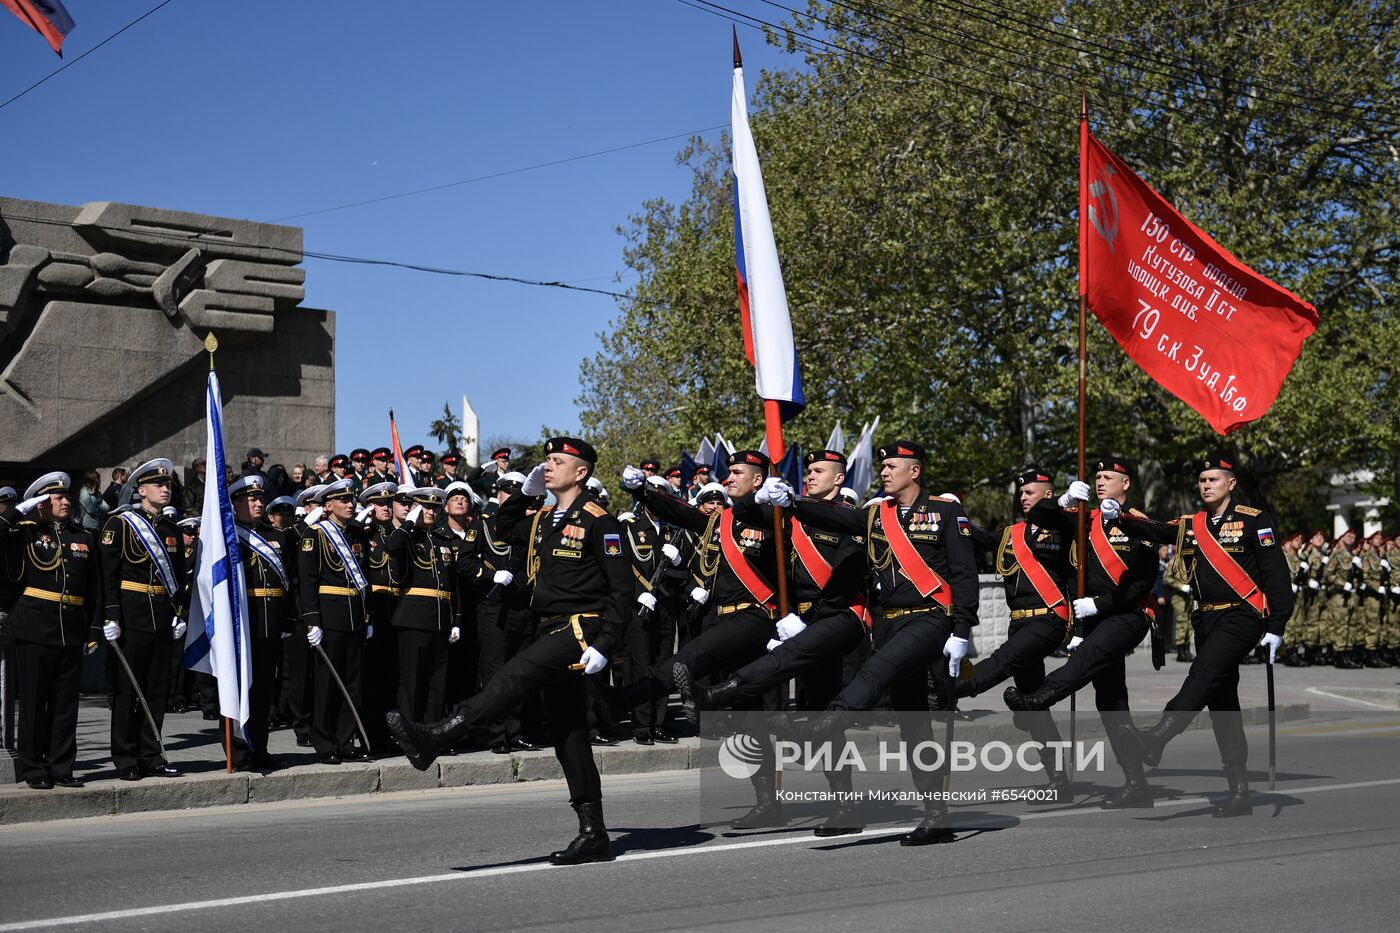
{"type": "Point", "coordinates": [820, 569]}
{"type": "Point", "coordinates": [738, 563]}
{"type": "Point", "coordinates": [1036, 573]}
{"type": "Point", "coordinates": [1229, 569]}
{"type": "Point", "coordinates": [1113, 564]}
{"type": "Point", "coordinates": [925, 580]}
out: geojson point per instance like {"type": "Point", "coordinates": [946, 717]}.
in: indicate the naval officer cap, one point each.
{"type": "Point", "coordinates": [189, 526]}
{"type": "Point", "coordinates": [281, 502]}
{"type": "Point", "coordinates": [378, 494]}
{"type": "Point", "coordinates": [428, 495]}
{"type": "Point", "coordinates": [46, 485]}
{"type": "Point", "coordinates": [309, 494]}
{"type": "Point", "coordinates": [251, 485]}
{"type": "Point", "coordinates": [159, 470]}
{"type": "Point", "coordinates": [403, 492]}
{"type": "Point", "coordinates": [711, 492]}
{"type": "Point", "coordinates": [8, 494]}
{"type": "Point", "coordinates": [510, 482]}
{"type": "Point", "coordinates": [340, 489]}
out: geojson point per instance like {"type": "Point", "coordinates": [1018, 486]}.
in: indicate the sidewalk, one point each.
{"type": "Point", "coordinates": [192, 743]}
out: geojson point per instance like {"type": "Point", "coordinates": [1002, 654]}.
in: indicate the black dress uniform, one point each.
{"type": "Point", "coordinates": [429, 611]}
{"type": "Point", "coordinates": [55, 568]}
{"type": "Point", "coordinates": [334, 598]}
{"type": "Point", "coordinates": [1229, 621]}
{"type": "Point", "coordinates": [298, 675]}
{"type": "Point", "coordinates": [380, 677]}
{"type": "Point", "coordinates": [651, 632]}
{"type": "Point", "coordinates": [582, 594]}
{"type": "Point", "coordinates": [136, 551]}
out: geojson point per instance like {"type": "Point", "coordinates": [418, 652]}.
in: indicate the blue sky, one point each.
{"type": "Point", "coordinates": [262, 109]}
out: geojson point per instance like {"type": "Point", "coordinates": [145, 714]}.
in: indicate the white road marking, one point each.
{"type": "Point", "coordinates": [134, 912]}
{"type": "Point", "coordinates": [1318, 691]}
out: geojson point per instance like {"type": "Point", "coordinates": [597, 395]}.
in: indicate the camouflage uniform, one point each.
{"type": "Point", "coordinates": [1337, 588]}
{"type": "Point", "coordinates": [1367, 615]}
{"type": "Point", "coordinates": [1178, 582]}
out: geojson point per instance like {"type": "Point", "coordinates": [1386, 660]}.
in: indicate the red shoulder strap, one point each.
{"type": "Point", "coordinates": [925, 580]}
{"type": "Point", "coordinates": [1036, 573]}
{"type": "Point", "coordinates": [1104, 551]}
{"type": "Point", "coordinates": [1229, 569]}
{"type": "Point", "coordinates": [810, 556]}
{"type": "Point", "coordinates": [757, 588]}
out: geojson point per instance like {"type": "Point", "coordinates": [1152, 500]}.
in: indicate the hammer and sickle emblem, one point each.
{"type": "Point", "coordinates": [1097, 189]}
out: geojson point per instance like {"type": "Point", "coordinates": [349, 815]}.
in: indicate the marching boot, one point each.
{"type": "Point", "coordinates": [1039, 699]}
{"type": "Point", "coordinates": [767, 811]}
{"type": "Point", "coordinates": [843, 820]}
{"type": "Point", "coordinates": [1063, 790]}
{"type": "Point", "coordinates": [827, 724]}
{"type": "Point", "coordinates": [936, 827]}
{"type": "Point", "coordinates": [423, 742]}
{"type": "Point", "coordinates": [722, 696]}
{"type": "Point", "coordinates": [1146, 745]}
{"type": "Point", "coordinates": [1183, 654]}
{"type": "Point", "coordinates": [685, 686]}
{"type": "Point", "coordinates": [591, 844]}
{"type": "Point", "coordinates": [1374, 659]}
{"type": "Point", "coordinates": [944, 692]}
{"type": "Point", "coordinates": [1237, 804]}
{"type": "Point", "coordinates": [1135, 794]}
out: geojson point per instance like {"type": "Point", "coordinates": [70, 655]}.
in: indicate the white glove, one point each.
{"type": "Point", "coordinates": [1385, 564]}
{"type": "Point", "coordinates": [29, 505]}
{"type": "Point", "coordinates": [593, 661]}
{"type": "Point", "coordinates": [1074, 642]}
{"type": "Point", "coordinates": [1085, 608]}
{"type": "Point", "coordinates": [954, 649]}
{"type": "Point", "coordinates": [1346, 587]}
{"type": "Point", "coordinates": [503, 577]}
{"type": "Point", "coordinates": [625, 516]}
{"type": "Point", "coordinates": [111, 631]}
{"type": "Point", "coordinates": [1110, 509]}
{"type": "Point", "coordinates": [454, 636]}
{"type": "Point", "coordinates": [363, 513]}
{"type": "Point", "coordinates": [314, 515]}
{"type": "Point", "coordinates": [300, 511]}
{"type": "Point", "coordinates": [632, 477]}
{"type": "Point", "coordinates": [790, 625]}
{"type": "Point", "coordinates": [1185, 589]}
{"type": "Point", "coordinates": [1077, 490]}
{"type": "Point", "coordinates": [671, 553]}
{"type": "Point", "coordinates": [773, 643]}
{"type": "Point", "coordinates": [313, 635]}
{"type": "Point", "coordinates": [648, 601]}
{"type": "Point", "coordinates": [1295, 587]}
{"type": "Point", "coordinates": [491, 466]}
{"type": "Point", "coordinates": [774, 492]}
{"type": "Point", "coordinates": [1272, 642]}
{"type": "Point", "coordinates": [1356, 562]}
{"type": "Point", "coordinates": [413, 515]}
{"type": "Point", "coordinates": [178, 628]}
{"type": "Point", "coordinates": [1302, 565]}
{"type": "Point", "coordinates": [699, 595]}
{"type": "Point", "coordinates": [534, 483]}
{"type": "Point", "coordinates": [1312, 584]}
{"type": "Point", "coordinates": [369, 632]}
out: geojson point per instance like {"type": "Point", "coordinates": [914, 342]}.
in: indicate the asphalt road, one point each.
{"type": "Point", "coordinates": [1319, 852]}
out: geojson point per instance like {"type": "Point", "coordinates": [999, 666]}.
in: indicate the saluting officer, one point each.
{"type": "Point", "coordinates": [460, 509]}
{"type": "Point", "coordinates": [272, 613]}
{"type": "Point", "coordinates": [1243, 599]}
{"type": "Point", "coordinates": [334, 609]}
{"type": "Point", "coordinates": [380, 676]}
{"type": "Point", "coordinates": [582, 594]}
{"type": "Point", "coordinates": [144, 584]}
{"type": "Point", "coordinates": [652, 628]}
{"type": "Point", "coordinates": [54, 563]}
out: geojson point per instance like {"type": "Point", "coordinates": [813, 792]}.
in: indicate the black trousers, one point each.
{"type": "Point", "coordinates": [1101, 660]}
{"type": "Point", "coordinates": [133, 742]}
{"type": "Point", "coordinates": [542, 668]}
{"type": "Point", "coordinates": [265, 653]}
{"type": "Point", "coordinates": [651, 642]}
{"type": "Point", "coordinates": [46, 681]}
{"type": "Point", "coordinates": [332, 721]}
{"type": "Point", "coordinates": [1223, 639]}
{"type": "Point", "coordinates": [1022, 657]}
{"type": "Point", "coordinates": [727, 645]}
{"type": "Point", "coordinates": [816, 654]}
{"type": "Point", "coordinates": [906, 647]}
{"type": "Point", "coordinates": [422, 673]}
{"type": "Point", "coordinates": [298, 683]}
{"type": "Point", "coordinates": [503, 631]}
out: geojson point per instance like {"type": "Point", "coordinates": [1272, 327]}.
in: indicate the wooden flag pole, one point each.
{"type": "Point", "coordinates": [228, 744]}
{"type": "Point", "coordinates": [773, 423]}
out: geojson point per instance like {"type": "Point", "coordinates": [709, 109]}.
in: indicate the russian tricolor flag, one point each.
{"type": "Point", "coordinates": [762, 299]}
{"type": "Point", "coordinates": [46, 17]}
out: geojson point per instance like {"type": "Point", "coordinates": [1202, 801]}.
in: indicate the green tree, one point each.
{"type": "Point", "coordinates": [448, 428]}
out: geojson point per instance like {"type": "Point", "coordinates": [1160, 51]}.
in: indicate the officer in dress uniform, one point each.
{"type": "Point", "coordinates": [53, 563]}
{"type": "Point", "coordinates": [652, 628]}
{"type": "Point", "coordinates": [738, 573]}
{"type": "Point", "coordinates": [582, 595]}
{"type": "Point", "coordinates": [335, 611]}
{"type": "Point", "coordinates": [379, 467]}
{"type": "Point", "coordinates": [1243, 598]}
{"type": "Point", "coordinates": [269, 577]}
{"type": "Point", "coordinates": [298, 679]}
{"type": "Point", "coordinates": [381, 660]}
{"type": "Point", "coordinates": [359, 465]}
{"type": "Point", "coordinates": [1033, 563]}
{"type": "Point", "coordinates": [919, 549]}
{"type": "Point", "coordinates": [146, 596]}
{"type": "Point", "coordinates": [450, 461]}
{"type": "Point", "coordinates": [461, 508]}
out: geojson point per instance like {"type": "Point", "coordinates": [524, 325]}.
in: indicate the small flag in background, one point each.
{"type": "Point", "coordinates": [46, 17]}
{"type": "Point", "coordinates": [400, 463]}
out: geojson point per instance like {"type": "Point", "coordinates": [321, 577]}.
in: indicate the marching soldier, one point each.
{"type": "Point", "coordinates": [652, 632]}
{"type": "Point", "coordinates": [1111, 617]}
{"type": "Point", "coordinates": [1243, 599]}
{"type": "Point", "coordinates": [144, 584]}
{"type": "Point", "coordinates": [380, 678]}
{"type": "Point", "coordinates": [1391, 581]}
{"type": "Point", "coordinates": [1338, 588]}
{"type": "Point", "coordinates": [334, 609]}
{"type": "Point", "coordinates": [461, 508]}
{"type": "Point", "coordinates": [1307, 610]}
{"type": "Point", "coordinates": [54, 562]}
{"type": "Point", "coordinates": [298, 678]}
{"type": "Point", "coordinates": [1370, 598]}
{"type": "Point", "coordinates": [272, 613]}
{"type": "Point", "coordinates": [582, 594]}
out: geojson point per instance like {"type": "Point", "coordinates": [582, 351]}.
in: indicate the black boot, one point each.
{"type": "Point", "coordinates": [1135, 794]}
{"type": "Point", "coordinates": [936, 827]}
{"type": "Point", "coordinates": [423, 742]}
{"type": "Point", "coordinates": [1237, 804]}
{"type": "Point", "coordinates": [1039, 699]}
{"type": "Point", "coordinates": [1061, 790]}
{"type": "Point", "coordinates": [944, 692]}
{"type": "Point", "coordinates": [1374, 659]}
{"type": "Point", "coordinates": [1183, 654]}
{"type": "Point", "coordinates": [843, 820]}
{"type": "Point", "coordinates": [722, 696]}
{"type": "Point", "coordinates": [1147, 744]}
{"type": "Point", "coordinates": [767, 811]}
{"type": "Point", "coordinates": [820, 727]}
{"type": "Point", "coordinates": [685, 686]}
{"type": "Point", "coordinates": [591, 844]}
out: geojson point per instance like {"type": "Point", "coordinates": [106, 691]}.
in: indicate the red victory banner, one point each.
{"type": "Point", "coordinates": [1215, 333]}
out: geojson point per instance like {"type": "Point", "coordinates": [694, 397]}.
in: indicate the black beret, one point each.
{"type": "Point", "coordinates": [755, 458]}
{"type": "Point", "coordinates": [824, 456]}
{"type": "Point", "coordinates": [906, 449]}
{"type": "Point", "coordinates": [1115, 465]}
{"type": "Point", "coordinates": [1217, 463]}
{"type": "Point", "coordinates": [1034, 475]}
{"type": "Point", "coordinates": [572, 446]}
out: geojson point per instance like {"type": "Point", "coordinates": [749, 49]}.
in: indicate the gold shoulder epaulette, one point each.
{"type": "Point", "coordinates": [594, 509]}
{"type": "Point", "coordinates": [1137, 513]}
{"type": "Point", "coordinates": [943, 499]}
{"type": "Point", "coordinates": [1246, 510]}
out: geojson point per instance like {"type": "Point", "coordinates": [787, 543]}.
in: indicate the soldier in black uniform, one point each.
{"type": "Point", "coordinates": [582, 595]}
{"type": "Point", "coordinates": [335, 610]}
{"type": "Point", "coordinates": [268, 574]}
{"type": "Point", "coordinates": [380, 675]}
{"type": "Point", "coordinates": [1244, 598]}
{"type": "Point", "coordinates": [1034, 565]}
{"type": "Point", "coordinates": [379, 467]}
{"type": "Point", "coordinates": [429, 615]}
{"type": "Point", "coordinates": [298, 679]}
{"type": "Point", "coordinates": [54, 564]}
{"type": "Point", "coordinates": [652, 627]}
{"type": "Point", "coordinates": [359, 466]}
{"type": "Point", "coordinates": [918, 548]}
{"type": "Point", "coordinates": [450, 461]}
{"type": "Point", "coordinates": [461, 508]}
{"type": "Point", "coordinates": [144, 585]}
{"type": "Point", "coordinates": [1111, 617]}
{"type": "Point", "coordinates": [738, 572]}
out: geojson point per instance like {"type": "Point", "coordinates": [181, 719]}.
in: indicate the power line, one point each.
{"type": "Point", "coordinates": [64, 67]}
